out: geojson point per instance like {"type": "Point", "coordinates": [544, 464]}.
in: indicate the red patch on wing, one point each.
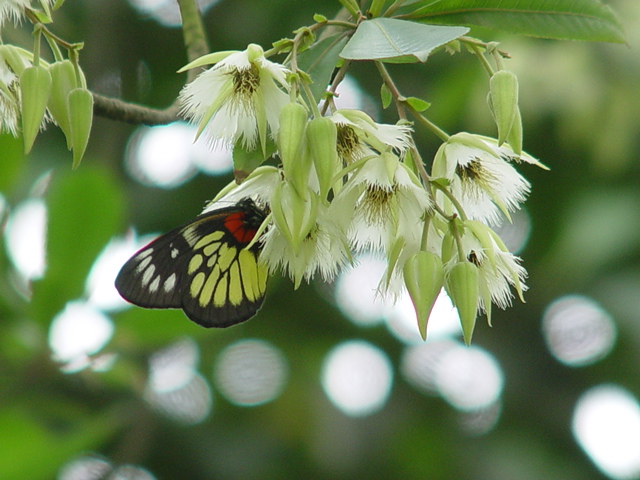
{"type": "Point", "coordinates": [235, 224]}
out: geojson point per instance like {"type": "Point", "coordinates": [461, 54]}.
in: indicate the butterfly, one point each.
{"type": "Point", "coordinates": [202, 267]}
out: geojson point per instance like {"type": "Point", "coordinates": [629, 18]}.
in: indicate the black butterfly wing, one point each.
{"type": "Point", "coordinates": [202, 267]}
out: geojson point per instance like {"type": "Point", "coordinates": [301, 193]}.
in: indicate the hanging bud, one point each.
{"type": "Point", "coordinates": [81, 116]}
{"type": "Point", "coordinates": [322, 135]}
{"type": "Point", "coordinates": [16, 58]}
{"type": "Point", "coordinates": [294, 214]}
{"type": "Point", "coordinates": [462, 287]}
{"type": "Point", "coordinates": [35, 85]}
{"type": "Point", "coordinates": [423, 277]}
{"type": "Point", "coordinates": [514, 139]}
{"type": "Point", "coordinates": [503, 100]}
{"type": "Point", "coordinates": [63, 80]}
{"type": "Point", "coordinates": [293, 121]}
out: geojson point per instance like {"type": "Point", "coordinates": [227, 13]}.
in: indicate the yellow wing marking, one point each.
{"type": "Point", "coordinates": [220, 295]}
{"type": "Point", "coordinates": [194, 264]}
{"type": "Point", "coordinates": [196, 284]}
{"type": "Point", "coordinates": [209, 285]}
{"type": "Point", "coordinates": [207, 239]}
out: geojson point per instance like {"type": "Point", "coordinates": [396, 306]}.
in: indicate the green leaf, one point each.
{"type": "Point", "coordinates": [418, 104]}
{"type": "Point", "coordinates": [560, 19]}
{"type": "Point", "coordinates": [246, 161]}
{"type": "Point", "coordinates": [38, 434]}
{"type": "Point", "coordinates": [84, 210]}
{"type": "Point", "coordinates": [397, 41]}
{"type": "Point", "coordinates": [320, 61]}
{"type": "Point", "coordinates": [385, 95]}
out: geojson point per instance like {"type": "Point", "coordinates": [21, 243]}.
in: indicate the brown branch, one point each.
{"type": "Point", "coordinates": [116, 109]}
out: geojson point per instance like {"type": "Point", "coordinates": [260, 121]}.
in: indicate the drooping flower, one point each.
{"type": "Point", "coordinates": [323, 251]}
{"type": "Point", "coordinates": [14, 9]}
{"type": "Point", "coordinates": [388, 202]}
{"type": "Point", "coordinates": [498, 269]}
{"type": "Point", "coordinates": [10, 88]}
{"type": "Point", "coordinates": [359, 136]}
{"type": "Point", "coordinates": [259, 186]}
{"type": "Point", "coordinates": [481, 177]}
{"type": "Point", "coordinates": [389, 206]}
{"type": "Point", "coordinates": [238, 99]}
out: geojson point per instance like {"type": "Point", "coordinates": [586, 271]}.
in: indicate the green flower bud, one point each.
{"type": "Point", "coordinates": [462, 287]}
{"type": "Point", "coordinates": [294, 214]}
{"type": "Point", "coordinates": [35, 85]}
{"type": "Point", "coordinates": [424, 278]}
{"type": "Point", "coordinates": [514, 139]}
{"type": "Point", "coordinates": [81, 116]}
{"type": "Point", "coordinates": [295, 162]}
{"type": "Point", "coordinates": [503, 100]}
{"type": "Point", "coordinates": [322, 137]}
{"type": "Point", "coordinates": [15, 57]}
{"type": "Point", "coordinates": [63, 80]}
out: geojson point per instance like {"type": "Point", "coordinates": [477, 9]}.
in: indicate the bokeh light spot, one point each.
{"type": "Point", "coordinates": [175, 388]}
{"type": "Point", "coordinates": [25, 236]}
{"type": "Point", "coordinates": [606, 424]}
{"type": "Point", "coordinates": [443, 321]}
{"type": "Point", "coordinates": [166, 12]}
{"type": "Point", "coordinates": [163, 156]}
{"type": "Point", "coordinates": [469, 378]}
{"type": "Point", "coordinates": [420, 363]}
{"type": "Point", "coordinates": [355, 292]}
{"type": "Point", "coordinates": [578, 331]}
{"type": "Point", "coordinates": [85, 468]}
{"type": "Point", "coordinates": [251, 372]}
{"type": "Point", "coordinates": [515, 233]}
{"type": "Point", "coordinates": [78, 331]}
{"type": "Point", "coordinates": [357, 377]}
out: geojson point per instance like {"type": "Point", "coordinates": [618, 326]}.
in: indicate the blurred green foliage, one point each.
{"type": "Point", "coordinates": [580, 107]}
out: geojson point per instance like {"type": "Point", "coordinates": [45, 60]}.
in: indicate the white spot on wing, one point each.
{"type": "Point", "coordinates": [155, 284]}
{"type": "Point", "coordinates": [174, 252]}
{"type": "Point", "coordinates": [144, 262]}
{"type": "Point", "coordinates": [144, 253]}
{"type": "Point", "coordinates": [147, 275]}
{"type": "Point", "coordinates": [169, 283]}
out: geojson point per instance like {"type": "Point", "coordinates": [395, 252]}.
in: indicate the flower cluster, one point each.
{"type": "Point", "coordinates": [346, 184]}
{"type": "Point", "coordinates": [34, 93]}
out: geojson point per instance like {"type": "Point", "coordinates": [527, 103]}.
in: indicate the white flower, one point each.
{"type": "Point", "coordinates": [14, 9]}
{"type": "Point", "coordinates": [480, 176]}
{"type": "Point", "coordinates": [498, 269]}
{"type": "Point", "coordinates": [388, 202]}
{"type": "Point", "coordinates": [238, 98]}
{"type": "Point", "coordinates": [324, 250]}
{"type": "Point", "coordinates": [389, 206]}
{"type": "Point", "coordinates": [359, 135]}
{"type": "Point", "coordinates": [9, 95]}
{"type": "Point", "coordinates": [259, 186]}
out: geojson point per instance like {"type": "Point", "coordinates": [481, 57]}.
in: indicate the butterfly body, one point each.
{"type": "Point", "coordinates": [202, 267]}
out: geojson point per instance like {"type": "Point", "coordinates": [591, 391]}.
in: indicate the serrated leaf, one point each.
{"type": "Point", "coordinates": [397, 41]}
{"type": "Point", "coordinates": [319, 62]}
{"type": "Point", "coordinates": [560, 19]}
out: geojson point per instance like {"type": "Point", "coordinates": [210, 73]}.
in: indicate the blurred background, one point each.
{"type": "Point", "coordinates": [326, 382]}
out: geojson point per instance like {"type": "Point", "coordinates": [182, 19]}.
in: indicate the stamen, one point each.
{"type": "Point", "coordinates": [349, 147]}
